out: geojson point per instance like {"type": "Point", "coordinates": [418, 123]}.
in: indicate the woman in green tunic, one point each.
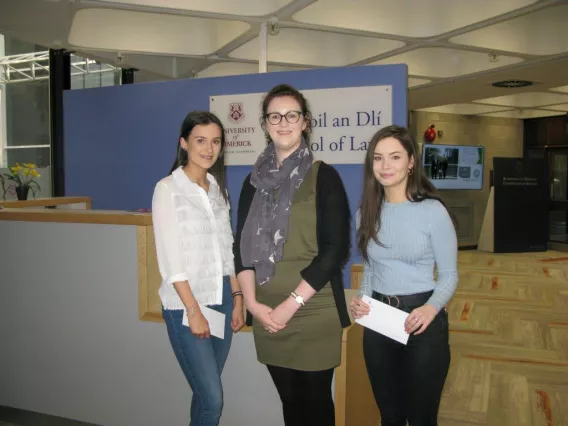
{"type": "Point", "coordinates": [291, 244]}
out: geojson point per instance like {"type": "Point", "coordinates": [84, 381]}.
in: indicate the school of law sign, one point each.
{"type": "Point", "coordinates": [343, 121]}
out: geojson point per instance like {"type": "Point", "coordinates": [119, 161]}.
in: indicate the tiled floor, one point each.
{"type": "Point", "coordinates": [509, 339]}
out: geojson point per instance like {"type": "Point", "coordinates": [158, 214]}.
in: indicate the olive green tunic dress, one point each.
{"type": "Point", "coordinates": [311, 341]}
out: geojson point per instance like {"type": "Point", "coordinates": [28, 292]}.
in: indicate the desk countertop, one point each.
{"type": "Point", "coordinates": [42, 202]}
{"type": "Point", "coordinates": [108, 217]}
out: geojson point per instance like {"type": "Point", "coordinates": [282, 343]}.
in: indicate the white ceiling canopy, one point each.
{"type": "Point", "coordinates": [522, 114]}
{"type": "Point", "coordinates": [151, 32]}
{"type": "Point", "coordinates": [540, 33]}
{"type": "Point", "coordinates": [454, 49]}
{"type": "Point", "coordinates": [560, 107]}
{"type": "Point", "coordinates": [222, 69]}
{"type": "Point", "coordinates": [408, 18]}
{"type": "Point", "coordinates": [443, 62]}
{"type": "Point", "coordinates": [463, 109]}
{"type": "Point", "coordinates": [526, 100]}
{"type": "Point", "coordinates": [317, 48]}
{"type": "Point", "coordinates": [560, 89]}
{"type": "Point", "coordinates": [413, 82]}
{"type": "Point", "coordinates": [241, 8]}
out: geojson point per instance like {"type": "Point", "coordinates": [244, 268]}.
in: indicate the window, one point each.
{"type": "Point", "coordinates": [24, 98]}
{"type": "Point", "coordinates": [88, 73]}
{"type": "Point", "coordinates": [24, 107]}
{"type": "Point", "coordinates": [27, 123]}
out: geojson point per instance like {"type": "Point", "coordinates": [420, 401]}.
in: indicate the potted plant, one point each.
{"type": "Point", "coordinates": [23, 176]}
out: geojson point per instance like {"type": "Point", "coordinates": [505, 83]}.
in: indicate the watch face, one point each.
{"type": "Point", "coordinates": [299, 299]}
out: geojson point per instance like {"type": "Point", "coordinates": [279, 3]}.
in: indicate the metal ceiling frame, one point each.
{"type": "Point", "coordinates": [35, 67]}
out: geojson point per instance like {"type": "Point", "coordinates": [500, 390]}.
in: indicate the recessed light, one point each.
{"type": "Point", "coordinates": [512, 84]}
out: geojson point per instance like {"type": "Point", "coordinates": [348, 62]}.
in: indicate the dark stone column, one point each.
{"type": "Point", "coordinates": [59, 81]}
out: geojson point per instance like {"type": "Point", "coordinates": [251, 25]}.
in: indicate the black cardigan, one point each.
{"type": "Point", "coordinates": [333, 235]}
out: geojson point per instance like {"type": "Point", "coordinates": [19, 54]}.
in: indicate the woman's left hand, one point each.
{"type": "Point", "coordinates": [419, 319]}
{"type": "Point", "coordinates": [284, 312]}
{"type": "Point", "coordinates": [238, 317]}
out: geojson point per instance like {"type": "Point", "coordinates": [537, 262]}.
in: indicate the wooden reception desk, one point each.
{"type": "Point", "coordinates": [354, 402]}
{"type": "Point", "coordinates": [73, 203]}
{"type": "Point", "coordinates": [148, 273]}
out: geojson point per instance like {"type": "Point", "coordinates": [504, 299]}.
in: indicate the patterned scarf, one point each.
{"type": "Point", "coordinates": [266, 228]}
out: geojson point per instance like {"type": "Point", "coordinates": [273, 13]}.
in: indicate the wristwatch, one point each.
{"type": "Point", "coordinates": [299, 299]}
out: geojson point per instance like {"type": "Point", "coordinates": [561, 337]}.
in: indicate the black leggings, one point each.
{"type": "Point", "coordinates": [305, 395]}
{"type": "Point", "coordinates": [407, 381]}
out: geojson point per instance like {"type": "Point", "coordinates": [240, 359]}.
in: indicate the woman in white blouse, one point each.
{"type": "Point", "coordinates": [190, 212]}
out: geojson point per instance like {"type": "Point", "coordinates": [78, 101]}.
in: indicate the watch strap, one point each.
{"type": "Point", "coordinates": [299, 299]}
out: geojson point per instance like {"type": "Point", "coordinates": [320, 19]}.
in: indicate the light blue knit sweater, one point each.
{"type": "Point", "coordinates": [416, 236]}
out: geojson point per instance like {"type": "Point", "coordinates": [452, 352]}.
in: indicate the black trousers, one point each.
{"type": "Point", "coordinates": [305, 395]}
{"type": "Point", "coordinates": [407, 381]}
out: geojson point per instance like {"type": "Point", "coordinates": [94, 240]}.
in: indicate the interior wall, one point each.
{"type": "Point", "coordinates": [71, 343]}
{"type": "Point", "coordinates": [501, 137]}
{"type": "Point", "coordinates": [121, 140]}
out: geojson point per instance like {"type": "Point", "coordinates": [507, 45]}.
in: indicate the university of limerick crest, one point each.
{"type": "Point", "coordinates": [236, 112]}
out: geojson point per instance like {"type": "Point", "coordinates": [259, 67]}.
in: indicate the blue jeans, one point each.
{"type": "Point", "coordinates": [202, 360]}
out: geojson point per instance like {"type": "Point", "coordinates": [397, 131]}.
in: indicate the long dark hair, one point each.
{"type": "Point", "coordinates": [287, 90]}
{"type": "Point", "coordinates": [418, 187]}
{"type": "Point", "coordinates": [203, 118]}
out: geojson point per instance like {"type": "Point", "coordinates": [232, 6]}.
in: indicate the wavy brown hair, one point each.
{"type": "Point", "coordinates": [287, 90]}
{"type": "Point", "coordinates": [418, 187]}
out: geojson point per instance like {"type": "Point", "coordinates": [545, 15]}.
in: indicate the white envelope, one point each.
{"type": "Point", "coordinates": [385, 319]}
{"type": "Point", "coordinates": [215, 319]}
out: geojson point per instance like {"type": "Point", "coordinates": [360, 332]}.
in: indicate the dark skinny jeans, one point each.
{"type": "Point", "coordinates": [407, 381]}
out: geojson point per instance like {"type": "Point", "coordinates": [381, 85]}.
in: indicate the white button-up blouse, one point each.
{"type": "Point", "coordinates": [194, 239]}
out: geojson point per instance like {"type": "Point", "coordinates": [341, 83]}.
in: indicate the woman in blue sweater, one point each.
{"type": "Point", "coordinates": [403, 230]}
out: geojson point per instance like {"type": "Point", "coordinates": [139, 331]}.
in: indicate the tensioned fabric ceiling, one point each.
{"type": "Point", "coordinates": [454, 49]}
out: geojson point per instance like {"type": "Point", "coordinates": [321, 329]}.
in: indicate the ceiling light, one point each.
{"type": "Point", "coordinates": [512, 84]}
